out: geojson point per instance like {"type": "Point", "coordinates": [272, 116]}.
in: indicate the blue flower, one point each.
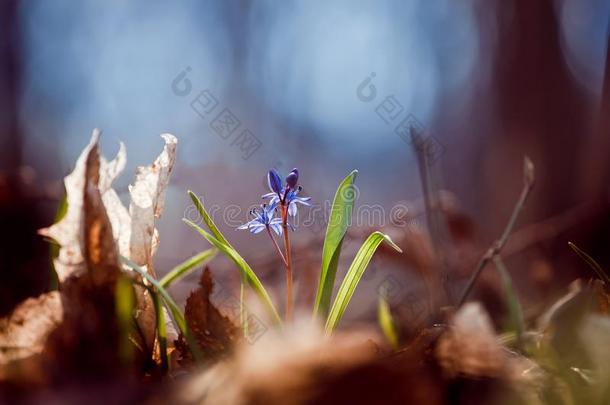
{"type": "Point", "coordinates": [263, 219]}
{"type": "Point", "coordinates": [285, 195]}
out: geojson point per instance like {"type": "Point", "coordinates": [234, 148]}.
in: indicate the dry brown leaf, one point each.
{"type": "Point", "coordinates": [215, 333]}
{"type": "Point", "coordinates": [88, 261]}
{"type": "Point", "coordinates": [139, 238]}
{"type": "Point", "coordinates": [97, 227]}
{"type": "Point", "coordinates": [300, 365]}
{"type": "Point", "coordinates": [89, 171]}
{"type": "Point", "coordinates": [133, 230]}
{"type": "Point", "coordinates": [560, 326]}
{"type": "Point", "coordinates": [24, 331]}
{"type": "Point", "coordinates": [470, 346]}
{"type": "Point", "coordinates": [100, 251]}
{"type": "Point", "coordinates": [147, 202]}
{"type": "Point", "coordinates": [97, 224]}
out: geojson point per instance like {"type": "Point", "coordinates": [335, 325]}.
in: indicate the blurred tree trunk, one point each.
{"type": "Point", "coordinates": [24, 269]}
{"type": "Point", "coordinates": [10, 142]}
{"type": "Point", "coordinates": [533, 106]}
{"type": "Point", "coordinates": [595, 171]}
{"type": "Point", "coordinates": [542, 112]}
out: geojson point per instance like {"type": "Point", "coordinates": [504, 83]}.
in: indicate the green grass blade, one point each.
{"type": "Point", "coordinates": [161, 329]}
{"type": "Point", "coordinates": [353, 276]}
{"type": "Point", "coordinates": [591, 262]}
{"type": "Point", "coordinates": [220, 237]}
{"type": "Point", "coordinates": [339, 220]}
{"type": "Point", "coordinates": [243, 317]}
{"type": "Point", "coordinates": [124, 304]}
{"type": "Point", "coordinates": [207, 219]}
{"type": "Point", "coordinates": [244, 268]}
{"type": "Point", "coordinates": [514, 307]}
{"type": "Point", "coordinates": [174, 310]}
{"type": "Point", "coordinates": [386, 322]}
{"type": "Point", "coordinates": [187, 266]}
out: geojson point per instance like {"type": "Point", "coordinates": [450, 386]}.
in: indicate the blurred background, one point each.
{"type": "Point", "coordinates": [321, 86]}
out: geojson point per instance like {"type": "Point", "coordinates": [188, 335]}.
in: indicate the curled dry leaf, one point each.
{"type": "Point", "coordinates": [84, 214]}
{"type": "Point", "coordinates": [215, 333]}
{"type": "Point", "coordinates": [300, 365]}
{"type": "Point", "coordinates": [101, 255]}
{"type": "Point", "coordinates": [138, 238]}
{"type": "Point", "coordinates": [282, 367]}
{"type": "Point", "coordinates": [97, 227]}
{"type": "Point", "coordinates": [24, 331]}
{"type": "Point", "coordinates": [147, 202]}
{"type": "Point", "coordinates": [560, 326]}
{"type": "Point", "coordinates": [470, 347]}
{"type": "Point", "coordinates": [134, 229]}
{"type": "Point", "coordinates": [88, 259]}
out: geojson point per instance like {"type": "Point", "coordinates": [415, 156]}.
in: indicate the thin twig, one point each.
{"type": "Point", "coordinates": [496, 247]}
{"type": "Point", "coordinates": [435, 220]}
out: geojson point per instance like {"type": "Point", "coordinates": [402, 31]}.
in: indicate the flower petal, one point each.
{"type": "Point", "coordinates": [246, 225]}
{"type": "Point", "coordinates": [292, 209]}
{"type": "Point", "coordinates": [292, 178]}
{"type": "Point", "coordinates": [277, 228]}
{"type": "Point", "coordinates": [274, 203]}
{"type": "Point", "coordinates": [274, 180]}
{"type": "Point", "coordinates": [257, 227]}
{"type": "Point", "coordinates": [303, 200]}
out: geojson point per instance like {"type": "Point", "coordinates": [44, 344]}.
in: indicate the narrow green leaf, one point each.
{"type": "Point", "coordinates": [250, 279]}
{"type": "Point", "coordinates": [514, 307]}
{"type": "Point", "coordinates": [207, 219]}
{"type": "Point", "coordinates": [187, 266]}
{"type": "Point", "coordinates": [386, 322]}
{"type": "Point", "coordinates": [174, 310]}
{"type": "Point", "coordinates": [124, 304]}
{"type": "Point", "coordinates": [338, 222]}
{"type": "Point", "coordinates": [353, 276]}
{"type": "Point", "coordinates": [592, 263]}
{"type": "Point", "coordinates": [243, 317]}
{"type": "Point", "coordinates": [245, 269]}
{"type": "Point", "coordinates": [161, 329]}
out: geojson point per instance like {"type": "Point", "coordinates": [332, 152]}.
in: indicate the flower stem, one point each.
{"type": "Point", "coordinates": [288, 263]}
{"type": "Point", "coordinates": [277, 247]}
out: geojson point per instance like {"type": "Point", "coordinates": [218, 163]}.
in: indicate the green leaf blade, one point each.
{"type": "Point", "coordinates": [591, 262]}
{"type": "Point", "coordinates": [174, 310]}
{"type": "Point", "coordinates": [187, 266]}
{"type": "Point", "coordinates": [514, 306]}
{"type": "Point", "coordinates": [244, 268]}
{"type": "Point", "coordinates": [161, 330]}
{"type": "Point", "coordinates": [386, 322]}
{"type": "Point", "coordinates": [338, 222]}
{"type": "Point", "coordinates": [354, 275]}
{"type": "Point", "coordinates": [124, 306]}
{"type": "Point", "coordinates": [207, 219]}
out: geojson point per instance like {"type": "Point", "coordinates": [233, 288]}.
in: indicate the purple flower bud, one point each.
{"type": "Point", "coordinates": [275, 181]}
{"type": "Point", "coordinates": [292, 178]}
